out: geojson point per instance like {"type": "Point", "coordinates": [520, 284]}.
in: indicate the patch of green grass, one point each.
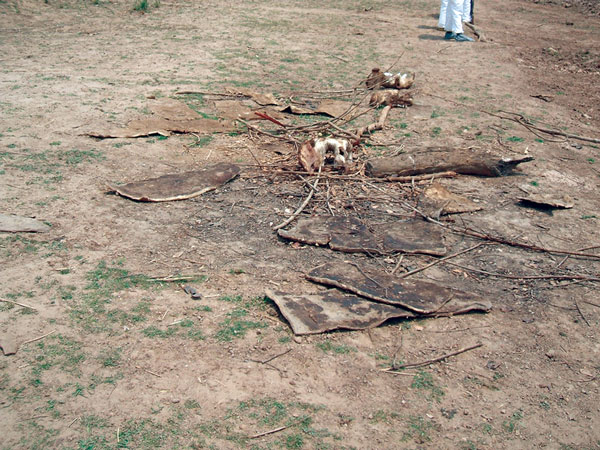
{"type": "Point", "coordinates": [436, 131]}
{"type": "Point", "coordinates": [340, 349]}
{"type": "Point", "coordinates": [141, 5]}
{"type": "Point", "coordinates": [75, 157]}
{"type": "Point", "coordinates": [57, 351]}
{"type": "Point", "coordinates": [511, 425]}
{"type": "Point", "coordinates": [153, 332]}
{"type": "Point", "coordinates": [110, 357]}
{"type": "Point", "coordinates": [234, 327]}
{"type": "Point", "coordinates": [423, 381]}
{"type": "Point", "coordinates": [94, 310]}
{"type": "Point", "coordinates": [381, 416]}
{"type": "Point", "coordinates": [591, 160]}
{"type": "Point", "coordinates": [545, 405]}
{"type": "Point", "coordinates": [588, 216]}
{"type": "Point", "coordinates": [515, 139]}
{"type": "Point", "coordinates": [419, 429]}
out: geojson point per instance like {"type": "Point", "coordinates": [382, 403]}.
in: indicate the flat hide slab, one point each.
{"type": "Point", "coordinates": [18, 224]}
{"type": "Point", "coordinates": [9, 345]}
{"type": "Point", "coordinates": [332, 310]}
{"type": "Point", "coordinates": [435, 161]}
{"type": "Point", "coordinates": [350, 235]}
{"type": "Point", "coordinates": [548, 201]}
{"type": "Point", "coordinates": [418, 296]}
{"type": "Point", "coordinates": [437, 199]}
{"type": "Point", "coordinates": [164, 127]}
{"type": "Point", "coordinates": [179, 186]}
{"type": "Point", "coordinates": [172, 109]}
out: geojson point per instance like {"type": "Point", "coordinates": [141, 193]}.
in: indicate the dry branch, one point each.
{"type": "Point", "coordinates": [377, 125]}
{"type": "Point", "coordinates": [432, 361]}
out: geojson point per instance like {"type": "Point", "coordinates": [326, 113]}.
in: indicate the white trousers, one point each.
{"type": "Point", "coordinates": [466, 16]}
{"type": "Point", "coordinates": [466, 13]}
{"type": "Point", "coordinates": [454, 15]}
{"type": "Point", "coordinates": [442, 19]}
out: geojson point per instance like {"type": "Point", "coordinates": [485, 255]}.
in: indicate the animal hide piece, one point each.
{"type": "Point", "coordinates": [164, 127]}
{"type": "Point", "coordinates": [350, 235]}
{"type": "Point", "coordinates": [421, 297]}
{"type": "Point", "coordinates": [378, 79]}
{"type": "Point", "coordinates": [179, 186]}
{"type": "Point", "coordinates": [314, 153]}
{"type": "Point", "coordinates": [333, 309]}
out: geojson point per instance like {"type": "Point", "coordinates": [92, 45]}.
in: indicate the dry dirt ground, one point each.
{"type": "Point", "coordinates": [134, 362]}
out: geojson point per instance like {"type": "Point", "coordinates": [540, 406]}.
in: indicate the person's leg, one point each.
{"type": "Point", "coordinates": [466, 16]}
{"type": "Point", "coordinates": [454, 28]}
{"type": "Point", "coordinates": [442, 18]}
{"type": "Point", "coordinates": [454, 16]}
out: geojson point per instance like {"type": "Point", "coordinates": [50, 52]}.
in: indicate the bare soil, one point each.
{"type": "Point", "coordinates": [133, 362]}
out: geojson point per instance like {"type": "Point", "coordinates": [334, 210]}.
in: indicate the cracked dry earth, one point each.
{"type": "Point", "coordinates": [127, 359]}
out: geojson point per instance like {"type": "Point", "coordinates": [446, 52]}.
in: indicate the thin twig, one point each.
{"type": "Point", "coordinates": [398, 264]}
{"type": "Point", "coordinates": [365, 275]}
{"type": "Point", "coordinates": [17, 303]}
{"type": "Point", "coordinates": [37, 338]}
{"type": "Point", "coordinates": [302, 206]}
{"type": "Point", "coordinates": [266, 361]}
{"type": "Point", "coordinates": [435, 360]}
{"type": "Point", "coordinates": [74, 420]}
{"type": "Point", "coordinates": [590, 303]}
{"type": "Point", "coordinates": [412, 272]}
{"type": "Point", "coordinates": [164, 314]}
{"type": "Point", "coordinates": [581, 313]}
{"type": "Point", "coordinates": [276, 430]}
{"type": "Point", "coordinates": [148, 371]}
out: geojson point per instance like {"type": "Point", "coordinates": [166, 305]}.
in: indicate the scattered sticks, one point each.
{"type": "Point", "coordinates": [412, 272]}
{"type": "Point", "coordinates": [302, 206]}
{"type": "Point", "coordinates": [432, 361]}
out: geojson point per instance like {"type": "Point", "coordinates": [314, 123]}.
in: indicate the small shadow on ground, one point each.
{"type": "Point", "coordinates": [431, 37]}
